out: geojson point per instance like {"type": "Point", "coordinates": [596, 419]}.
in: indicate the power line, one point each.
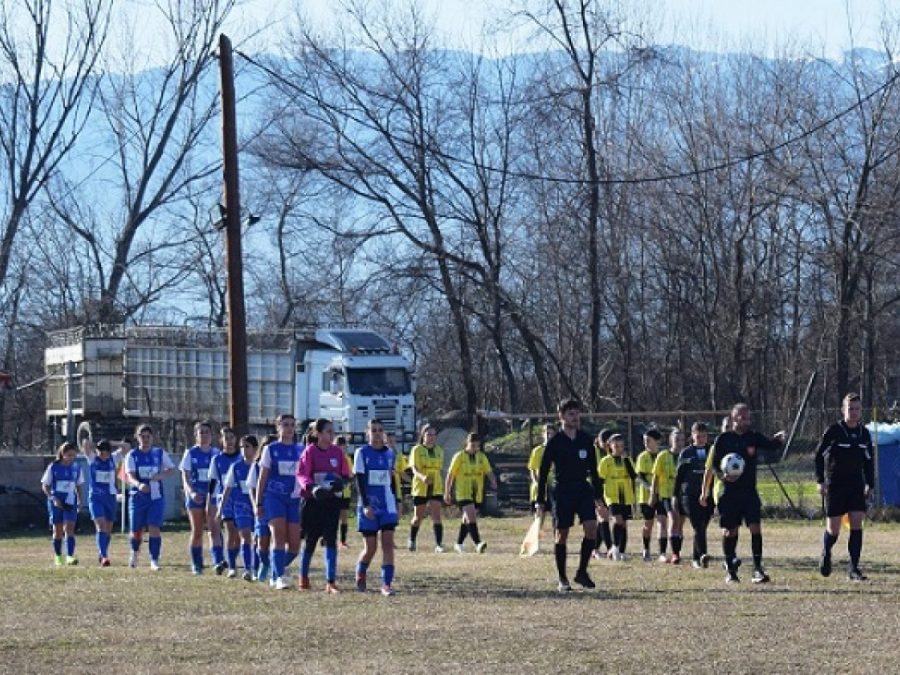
{"type": "Point", "coordinates": [526, 175]}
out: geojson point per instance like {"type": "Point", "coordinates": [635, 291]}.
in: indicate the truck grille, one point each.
{"type": "Point", "coordinates": [386, 411]}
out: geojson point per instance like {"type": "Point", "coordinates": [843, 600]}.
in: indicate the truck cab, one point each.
{"type": "Point", "coordinates": [351, 376]}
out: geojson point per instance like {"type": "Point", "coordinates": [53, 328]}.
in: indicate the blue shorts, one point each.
{"type": "Point", "coordinates": [228, 509]}
{"type": "Point", "coordinates": [281, 506]}
{"type": "Point", "coordinates": [104, 506]}
{"type": "Point", "coordinates": [261, 527]}
{"type": "Point", "coordinates": [242, 514]}
{"type": "Point", "coordinates": [145, 512]}
{"type": "Point", "coordinates": [382, 521]}
{"type": "Point", "coordinates": [191, 504]}
{"type": "Point", "coordinates": [59, 516]}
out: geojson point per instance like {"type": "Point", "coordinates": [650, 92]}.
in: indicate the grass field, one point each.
{"type": "Point", "coordinates": [455, 613]}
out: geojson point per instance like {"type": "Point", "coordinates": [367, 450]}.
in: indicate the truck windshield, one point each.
{"type": "Point", "coordinates": [378, 381]}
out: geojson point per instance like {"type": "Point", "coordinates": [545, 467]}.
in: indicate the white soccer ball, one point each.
{"type": "Point", "coordinates": [732, 465]}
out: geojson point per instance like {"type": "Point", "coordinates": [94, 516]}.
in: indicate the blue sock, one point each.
{"type": "Point", "coordinates": [305, 561]}
{"type": "Point", "coordinates": [218, 554]}
{"type": "Point", "coordinates": [70, 545]}
{"type": "Point", "coordinates": [361, 568]}
{"type": "Point", "coordinates": [247, 556]}
{"type": "Point", "coordinates": [289, 557]}
{"type": "Point", "coordinates": [264, 557]}
{"type": "Point", "coordinates": [330, 563]}
{"type": "Point", "coordinates": [277, 563]}
{"type": "Point", "coordinates": [232, 558]}
{"type": "Point", "coordinates": [257, 558]}
{"type": "Point", "coordinates": [135, 543]}
{"type": "Point", "coordinates": [57, 546]}
{"type": "Point", "coordinates": [104, 544]}
{"type": "Point", "coordinates": [155, 546]}
{"type": "Point", "coordinates": [387, 574]}
{"type": "Point", "coordinates": [99, 539]}
{"type": "Point", "coordinates": [197, 557]}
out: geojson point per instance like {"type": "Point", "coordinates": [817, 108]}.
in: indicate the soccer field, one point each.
{"type": "Point", "coordinates": [456, 613]}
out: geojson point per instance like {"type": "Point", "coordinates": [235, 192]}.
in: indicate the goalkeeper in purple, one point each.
{"type": "Point", "coordinates": [376, 510]}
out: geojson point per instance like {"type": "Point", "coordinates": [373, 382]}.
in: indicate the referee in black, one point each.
{"type": "Point", "coordinates": [739, 500]}
{"type": "Point", "coordinates": [845, 472]}
{"type": "Point", "coordinates": [577, 492]}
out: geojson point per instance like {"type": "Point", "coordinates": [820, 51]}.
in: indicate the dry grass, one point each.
{"type": "Point", "coordinates": [490, 613]}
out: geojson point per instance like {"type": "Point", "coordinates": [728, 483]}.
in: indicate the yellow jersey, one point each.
{"type": "Point", "coordinates": [534, 464]}
{"type": "Point", "coordinates": [469, 472]}
{"type": "Point", "coordinates": [399, 468]}
{"type": "Point", "coordinates": [618, 485]}
{"type": "Point", "coordinates": [348, 486]}
{"type": "Point", "coordinates": [644, 469]}
{"type": "Point", "coordinates": [664, 472]}
{"type": "Point", "coordinates": [429, 461]}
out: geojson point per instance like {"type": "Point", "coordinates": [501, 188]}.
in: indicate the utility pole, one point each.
{"type": "Point", "coordinates": [237, 319]}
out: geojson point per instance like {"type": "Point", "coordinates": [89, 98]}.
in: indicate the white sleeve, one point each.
{"type": "Point", "coordinates": [213, 473]}
{"type": "Point", "coordinates": [266, 460]}
{"type": "Point", "coordinates": [185, 461]}
{"type": "Point", "coordinates": [167, 462]}
{"type": "Point", "coordinates": [80, 479]}
{"type": "Point", "coordinates": [228, 481]}
{"type": "Point", "coordinates": [253, 475]}
{"type": "Point", "coordinates": [359, 462]}
{"type": "Point", "coordinates": [130, 466]}
{"type": "Point", "coordinates": [47, 478]}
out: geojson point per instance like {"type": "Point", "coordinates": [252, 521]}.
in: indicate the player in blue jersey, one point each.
{"type": "Point", "coordinates": [376, 511]}
{"type": "Point", "coordinates": [195, 470]}
{"type": "Point", "coordinates": [102, 463]}
{"type": "Point", "coordinates": [218, 469]}
{"type": "Point", "coordinates": [61, 483]}
{"type": "Point", "coordinates": [261, 534]}
{"type": "Point", "coordinates": [236, 494]}
{"type": "Point", "coordinates": [278, 498]}
{"type": "Point", "coordinates": [147, 466]}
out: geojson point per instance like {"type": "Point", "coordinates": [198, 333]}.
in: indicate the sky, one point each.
{"type": "Point", "coordinates": [821, 27]}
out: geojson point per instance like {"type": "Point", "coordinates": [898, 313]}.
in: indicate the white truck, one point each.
{"type": "Point", "coordinates": [113, 376]}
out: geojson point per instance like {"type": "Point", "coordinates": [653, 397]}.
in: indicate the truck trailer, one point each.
{"type": "Point", "coordinates": [114, 376]}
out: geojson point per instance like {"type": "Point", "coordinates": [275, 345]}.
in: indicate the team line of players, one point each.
{"type": "Point", "coordinates": [269, 500]}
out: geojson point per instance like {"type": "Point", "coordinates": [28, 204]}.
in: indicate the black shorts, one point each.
{"type": "Point", "coordinates": [319, 520]}
{"type": "Point", "coordinates": [621, 510]}
{"type": "Point", "coordinates": [465, 502]}
{"type": "Point", "coordinates": [418, 501]}
{"type": "Point", "coordinates": [690, 507]}
{"type": "Point", "coordinates": [739, 507]}
{"type": "Point", "coordinates": [373, 533]}
{"type": "Point", "coordinates": [571, 501]}
{"type": "Point", "coordinates": [650, 512]}
{"type": "Point", "coordinates": [844, 499]}
{"type": "Point", "coordinates": [344, 503]}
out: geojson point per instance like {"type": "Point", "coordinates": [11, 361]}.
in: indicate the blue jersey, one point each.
{"type": "Point", "coordinates": [219, 469]}
{"type": "Point", "coordinates": [102, 477]}
{"type": "Point", "coordinates": [197, 463]}
{"type": "Point", "coordinates": [146, 465]}
{"type": "Point", "coordinates": [375, 467]}
{"type": "Point", "coordinates": [237, 479]}
{"type": "Point", "coordinates": [62, 479]}
{"type": "Point", "coordinates": [281, 459]}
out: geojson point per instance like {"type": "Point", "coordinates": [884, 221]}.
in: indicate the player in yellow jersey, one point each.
{"type": "Point", "coordinates": [604, 535]}
{"type": "Point", "coordinates": [426, 461]}
{"type": "Point", "coordinates": [644, 468]}
{"type": "Point", "coordinates": [534, 468]}
{"type": "Point", "coordinates": [401, 465]}
{"type": "Point", "coordinates": [663, 489]}
{"type": "Point", "coordinates": [467, 472]}
{"type": "Point", "coordinates": [617, 475]}
{"type": "Point", "coordinates": [346, 495]}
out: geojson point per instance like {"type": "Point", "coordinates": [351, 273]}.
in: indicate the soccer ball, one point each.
{"type": "Point", "coordinates": [732, 465]}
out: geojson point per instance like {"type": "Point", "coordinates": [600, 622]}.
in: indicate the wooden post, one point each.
{"type": "Point", "coordinates": [237, 320]}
